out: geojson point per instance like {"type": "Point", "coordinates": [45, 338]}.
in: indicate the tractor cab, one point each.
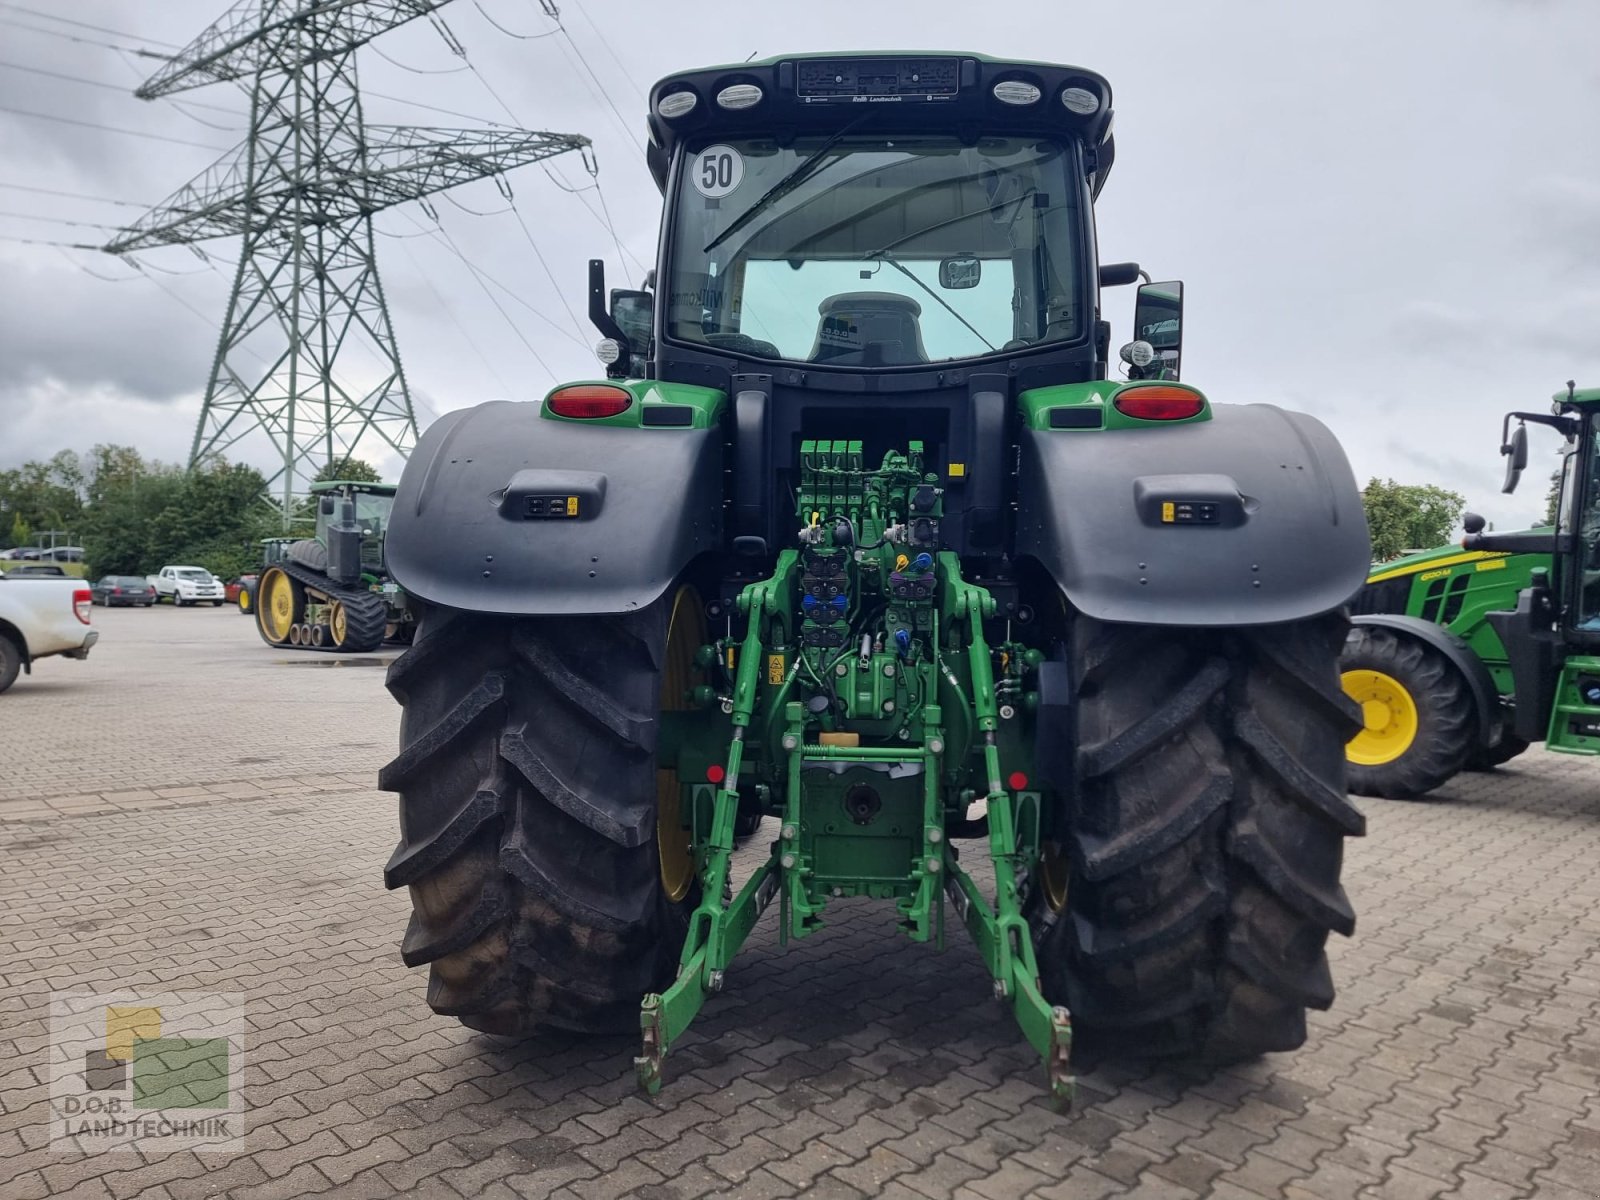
{"type": "Point", "coordinates": [1552, 637]}
{"type": "Point", "coordinates": [893, 249]}
{"type": "Point", "coordinates": [359, 510]}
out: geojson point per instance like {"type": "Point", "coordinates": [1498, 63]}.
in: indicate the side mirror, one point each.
{"type": "Point", "coordinates": [613, 350]}
{"type": "Point", "coordinates": [958, 274]}
{"type": "Point", "coordinates": [1158, 319]}
{"type": "Point", "coordinates": [1515, 450]}
{"type": "Point", "coordinates": [1119, 274]}
{"type": "Point", "coordinates": [634, 314]}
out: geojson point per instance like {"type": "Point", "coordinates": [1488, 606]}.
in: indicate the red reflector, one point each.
{"type": "Point", "coordinates": [715, 773]}
{"type": "Point", "coordinates": [587, 401]}
{"type": "Point", "coordinates": [1017, 781]}
{"type": "Point", "coordinates": [1159, 402]}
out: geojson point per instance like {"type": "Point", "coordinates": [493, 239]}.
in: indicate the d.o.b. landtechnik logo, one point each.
{"type": "Point", "coordinates": [146, 1072]}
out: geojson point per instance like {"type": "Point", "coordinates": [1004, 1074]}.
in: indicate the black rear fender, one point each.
{"type": "Point", "coordinates": [472, 526]}
{"type": "Point", "coordinates": [1265, 522]}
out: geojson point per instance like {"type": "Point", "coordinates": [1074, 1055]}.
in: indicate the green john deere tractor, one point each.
{"type": "Point", "coordinates": [1462, 656]}
{"type": "Point", "coordinates": [333, 591]}
{"type": "Point", "coordinates": [858, 535]}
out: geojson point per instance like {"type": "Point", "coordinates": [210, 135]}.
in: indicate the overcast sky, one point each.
{"type": "Point", "coordinates": [1386, 212]}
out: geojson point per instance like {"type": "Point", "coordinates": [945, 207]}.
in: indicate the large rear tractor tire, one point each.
{"type": "Point", "coordinates": [1418, 723]}
{"type": "Point", "coordinates": [551, 881]}
{"type": "Point", "coordinates": [1186, 907]}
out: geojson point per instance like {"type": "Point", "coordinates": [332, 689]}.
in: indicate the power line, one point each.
{"type": "Point", "coordinates": [27, 241]}
{"type": "Point", "coordinates": [604, 217]}
{"type": "Point", "coordinates": [482, 275]}
{"type": "Point", "coordinates": [22, 216]}
{"type": "Point", "coordinates": [560, 291]}
{"type": "Point", "coordinates": [22, 187]}
{"type": "Point", "coordinates": [521, 37]}
{"type": "Point", "coordinates": [454, 319]}
{"type": "Point", "coordinates": [158, 137]}
{"type": "Point", "coordinates": [606, 43]}
{"type": "Point", "coordinates": [494, 300]}
{"type": "Point", "coordinates": [100, 83]}
{"type": "Point", "coordinates": [449, 112]}
{"type": "Point", "coordinates": [417, 70]}
{"type": "Point", "coordinates": [73, 37]}
{"type": "Point", "coordinates": [138, 37]}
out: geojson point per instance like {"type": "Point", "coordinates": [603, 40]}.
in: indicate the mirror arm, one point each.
{"type": "Point", "coordinates": [599, 315]}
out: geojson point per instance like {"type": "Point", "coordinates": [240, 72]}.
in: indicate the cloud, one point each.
{"type": "Point", "coordinates": [1352, 243]}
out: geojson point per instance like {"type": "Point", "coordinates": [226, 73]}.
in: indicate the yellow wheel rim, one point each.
{"type": "Point", "coordinates": [685, 633]}
{"type": "Point", "coordinates": [1053, 876]}
{"type": "Point", "coordinates": [1388, 714]}
{"type": "Point", "coordinates": [277, 612]}
{"type": "Point", "coordinates": [244, 600]}
{"type": "Point", "coordinates": [337, 622]}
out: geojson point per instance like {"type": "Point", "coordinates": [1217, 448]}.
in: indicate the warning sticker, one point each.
{"type": "Point", "coordinates": [774, 669]}
{"type": "Point", "coordinates": [716, 171]}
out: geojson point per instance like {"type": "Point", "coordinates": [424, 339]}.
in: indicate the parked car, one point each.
{"type": "Point", "coordinates": [37, 571]}
{"type": "Point", "coordinates": [21, 554]}
{"type": "Point", "coordinates": [115, 590]}
{"type": "Point", "coordinates": [41, 618]}
{"type": "Point", "coordinates": [188, 585]}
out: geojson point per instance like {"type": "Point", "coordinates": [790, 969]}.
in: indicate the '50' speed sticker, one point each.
{"type": "Point", "coordinates": [716, 171]}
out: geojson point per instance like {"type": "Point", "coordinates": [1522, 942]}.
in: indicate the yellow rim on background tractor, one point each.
{"type": "Point", "coordinates": [244, 599]}
{"type": "Point", "coordinates": [278, 604]}
{"type": "Point", "coordinates": [1388, 714]}
{"type": "Point", "coordinates": [686, 631]}
{"type": "Point", "coordinates": [338, 623]}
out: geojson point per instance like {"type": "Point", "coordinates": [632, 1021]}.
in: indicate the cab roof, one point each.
{"type": "Point", "coordinates": [334, 485]}
{"type": "Point", "coordinates": [919, 89]}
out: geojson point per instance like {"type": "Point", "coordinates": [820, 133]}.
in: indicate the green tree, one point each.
{"type": "Point", "coordinates": [1552, 500]}
{"type": "Point", "coordinates": [21, 531]}
{"type": "Point", "coordinates": [348, 470]}
{"type": "Point", "coordinates": [1409, 516]}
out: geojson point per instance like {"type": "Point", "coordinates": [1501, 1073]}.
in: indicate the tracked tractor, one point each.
{"type": "Point", "coordinates": [333, 591]}
{"type": "Point", "coordinates": [859, 535]}
{"type": "Point", "coordinates": [1464, 655]}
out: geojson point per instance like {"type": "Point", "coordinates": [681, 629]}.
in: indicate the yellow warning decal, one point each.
{"type": "Point", "coordinates": [1169, 512]}
{"type": "Point", "coordinates": [1491, 564]}
{"type": "Point", "coordinates": [958, 470]}
{"type": "Point", "coordinates": [775, 669]}
{"type": "Point", "coordinates": [572, 506]}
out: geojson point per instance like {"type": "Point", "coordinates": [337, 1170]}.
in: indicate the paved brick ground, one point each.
{"type": "Point", "coordinates": [1461, 1058]}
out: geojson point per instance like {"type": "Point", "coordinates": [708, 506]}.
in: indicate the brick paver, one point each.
{"type": "Point", "coordinates": [171, 819]}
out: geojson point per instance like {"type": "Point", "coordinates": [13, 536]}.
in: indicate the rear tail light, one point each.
{"type": "Point", "coordinates": [1159, 402]}
{"type": "Point", "coordinates": [82, 603]}
{"type": "Point", "coordinates": [588, 401]}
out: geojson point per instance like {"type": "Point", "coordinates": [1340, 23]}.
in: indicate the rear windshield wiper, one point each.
{"type": "Point", "coordinates": [803, 171]}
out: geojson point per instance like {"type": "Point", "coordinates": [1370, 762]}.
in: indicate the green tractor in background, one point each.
{"type": "Point", "coordinates": [273, 550]}
{"type": "Point", "coordinates": [859, 537]}
{"type": "Point", "coordinates": [333, 591]}
{"type": "Point", "coordinates": [1464, 655]}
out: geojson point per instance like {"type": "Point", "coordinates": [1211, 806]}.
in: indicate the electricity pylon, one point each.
{"type": "Point", "coordinates": [301, 191]}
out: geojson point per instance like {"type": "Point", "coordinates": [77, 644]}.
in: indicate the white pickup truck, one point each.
{"type": "Point", "coordinates": [187, 585]}
{"type": "Point", "coordinates": [40, 618]}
